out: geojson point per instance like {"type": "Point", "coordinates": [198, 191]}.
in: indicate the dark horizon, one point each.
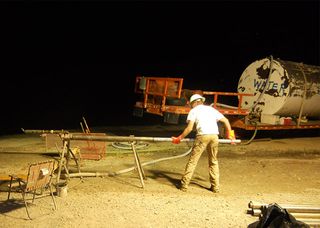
{"type": "Point", "coordinates": [65, 60]}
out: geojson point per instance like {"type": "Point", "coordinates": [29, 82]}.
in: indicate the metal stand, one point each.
{"type": "Point", "coordinates": [138, 164]}
{"type": "Point", "coordinates": [67, 151]}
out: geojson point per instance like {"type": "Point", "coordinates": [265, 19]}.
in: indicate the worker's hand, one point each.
{"type": "Point", "coordinates": [176, 140]}
{"type": "Point", "coordinates": [231, 135]}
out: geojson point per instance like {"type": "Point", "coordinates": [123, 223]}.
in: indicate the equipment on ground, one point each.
{"type": "Point", "coordinates": [68, 137]}
{"type": "Point", "coordinates": [274, 213]}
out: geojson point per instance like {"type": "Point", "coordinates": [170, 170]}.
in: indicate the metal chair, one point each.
{"type": "Point", "coordinates": [39, 178]}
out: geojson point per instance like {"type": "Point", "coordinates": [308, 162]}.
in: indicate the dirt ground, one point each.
{"type": "Point", "coordinates": [281, 170]}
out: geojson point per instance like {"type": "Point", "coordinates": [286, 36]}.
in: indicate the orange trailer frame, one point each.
{"type": "Point", "coordinates": [156, 92]}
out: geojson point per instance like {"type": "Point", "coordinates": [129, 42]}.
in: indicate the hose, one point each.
{"type": "Point", "coordinates": [254, 134]}
{"type": "Point", "coordinates": [127, 146]}
{"type": "Point", "coordinates": [112, 174]}
{"type": "Point", "coordinates": [131, 139]}
{"type": "Point", "coordinates": [152, 162]}
{"type": "Point", "coordinates": [265, 88]}
{"type": "Point", "coordinates": [258, 100]}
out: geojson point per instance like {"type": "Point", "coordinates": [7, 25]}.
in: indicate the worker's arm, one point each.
{"type": "Point", "coordinates": [226, 123]}
{"type": "Point", "coordinates": [230, 132]}
{"type": "Point", "coordinates": [185, 132]}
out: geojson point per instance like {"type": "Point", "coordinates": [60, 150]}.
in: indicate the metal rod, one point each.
{"type": "Point", "coordinates": [306, 208]}
{"type": "Point", "coordinates": [95, 174]}
{"type": "Point", "coordinates": [256, 212]}
{"type": "Point", "coordinates": [138, 165]}
{"type": "Point", "coordinates": [311, 222]}
{"type": "Point", "coordinates": [304, 95]}
{"type": "Point", "coordinates": [107, 138]}
{"type": "Point", "coordinates": [301, 209]}
{"type": "Point", "coordinates": [82, 127]}
{"type": "Point", "coordinates": [36, 131]}
{"type": "Point", "coordinates": [65, 143]}
{"type": "Point", "coordinates": [306, 215]}
{"type": "Point", "coordinates": [87, 127]}
{"type": "Point", "coordinates": [297, 215]}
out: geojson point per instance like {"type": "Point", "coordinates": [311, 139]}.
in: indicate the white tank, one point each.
{"type": "Point", "coordinates": [285, 90]}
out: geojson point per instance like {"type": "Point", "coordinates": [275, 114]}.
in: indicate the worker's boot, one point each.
{"type": "Point", "coordinates": [182, 187]}
{"type": "Point", "coordinates": [214, 189]}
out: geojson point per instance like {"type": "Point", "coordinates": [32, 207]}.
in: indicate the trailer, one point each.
{"type": "Point", "coordinates": [272, 95]}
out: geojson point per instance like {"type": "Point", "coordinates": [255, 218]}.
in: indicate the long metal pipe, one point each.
{"type": "Point", "coordinates": [312, 222]}
{"type": "Point", "coordinates": [36, 131]}
{"type": "Point", "coordinates": [306, 215]}
{"type": "Point", "coordinates": [107, 138]}
{"type": "Point", "coordinates": [297, 215]}
{"type": "Point", "coordinates": [305, 208]}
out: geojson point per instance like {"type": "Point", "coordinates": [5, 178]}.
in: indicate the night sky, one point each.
{"type": "Point", "coordinates": [63, 60]}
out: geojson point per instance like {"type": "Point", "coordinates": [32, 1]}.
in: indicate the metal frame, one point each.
{"type": "Point", "coordinates": [158, 108]}
{"type": "Point", "coordinates": [243, 124]}
{"type": "Point", "coordinates": [237, 115]}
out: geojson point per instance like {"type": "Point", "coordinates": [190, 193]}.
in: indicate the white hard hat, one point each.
{"type": "Point", "coordinates": [195, 97]}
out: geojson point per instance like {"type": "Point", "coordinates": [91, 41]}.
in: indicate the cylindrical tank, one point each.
{"type": "Point", "coordinates": [281, 88]}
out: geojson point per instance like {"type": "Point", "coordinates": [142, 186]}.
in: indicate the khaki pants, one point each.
{"type": "Point", "coordinates": [201, 143]}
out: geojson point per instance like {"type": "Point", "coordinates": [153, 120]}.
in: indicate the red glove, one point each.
{"type": "Point", "coordinates": [176, 140]}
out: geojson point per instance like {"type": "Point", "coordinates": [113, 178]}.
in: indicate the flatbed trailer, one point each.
{"type": "Point", "coordinates": [166, 97]}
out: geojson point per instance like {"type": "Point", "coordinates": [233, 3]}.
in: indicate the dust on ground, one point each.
{"type": "Point", "coordinates": [282, 170]}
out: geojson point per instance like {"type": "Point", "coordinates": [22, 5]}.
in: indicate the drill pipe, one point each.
{"type": "Point", "coordinates": [307, 215]}
{"type": "Point", "coordinates": [106, 138]}
{"type": "Point", "coordinates": [312, 219]}
{"type": "Point", "coordinates": [254, 212]}
{"type": "Point", "coordinates": [312, 222]}
{"type": "Point", "coordinates": [290, 208]}
{"type": "Point", "coordinates": [36, 131]}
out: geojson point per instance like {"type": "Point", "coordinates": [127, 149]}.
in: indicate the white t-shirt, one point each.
{"type": "Point", "coordinates": [205, 118]}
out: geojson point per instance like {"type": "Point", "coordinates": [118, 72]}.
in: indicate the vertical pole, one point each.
{"type": "Point", "coordinates": [77, 163]}
{"type": "Point", "coordinates": [85, 122]}
{"type": "Point", "coordinates": [215, 100]}
{"type": "Point", "coordinates": [82, 127]}
{"type": "Point", "coordinates": [65, 142]}
{"type": "Point", "coordinates": [142, 171]}
{"type": "Point", "coordinates": [304, 95]}
{"type": "Point", "coordinates": [68, 154]}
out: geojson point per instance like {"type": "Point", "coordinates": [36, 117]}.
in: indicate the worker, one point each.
{"type": "Point", "coordinates": [204, 118]}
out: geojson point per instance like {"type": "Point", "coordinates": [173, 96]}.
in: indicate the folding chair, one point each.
{"type": "Point", "coordinates": [39, 177]}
